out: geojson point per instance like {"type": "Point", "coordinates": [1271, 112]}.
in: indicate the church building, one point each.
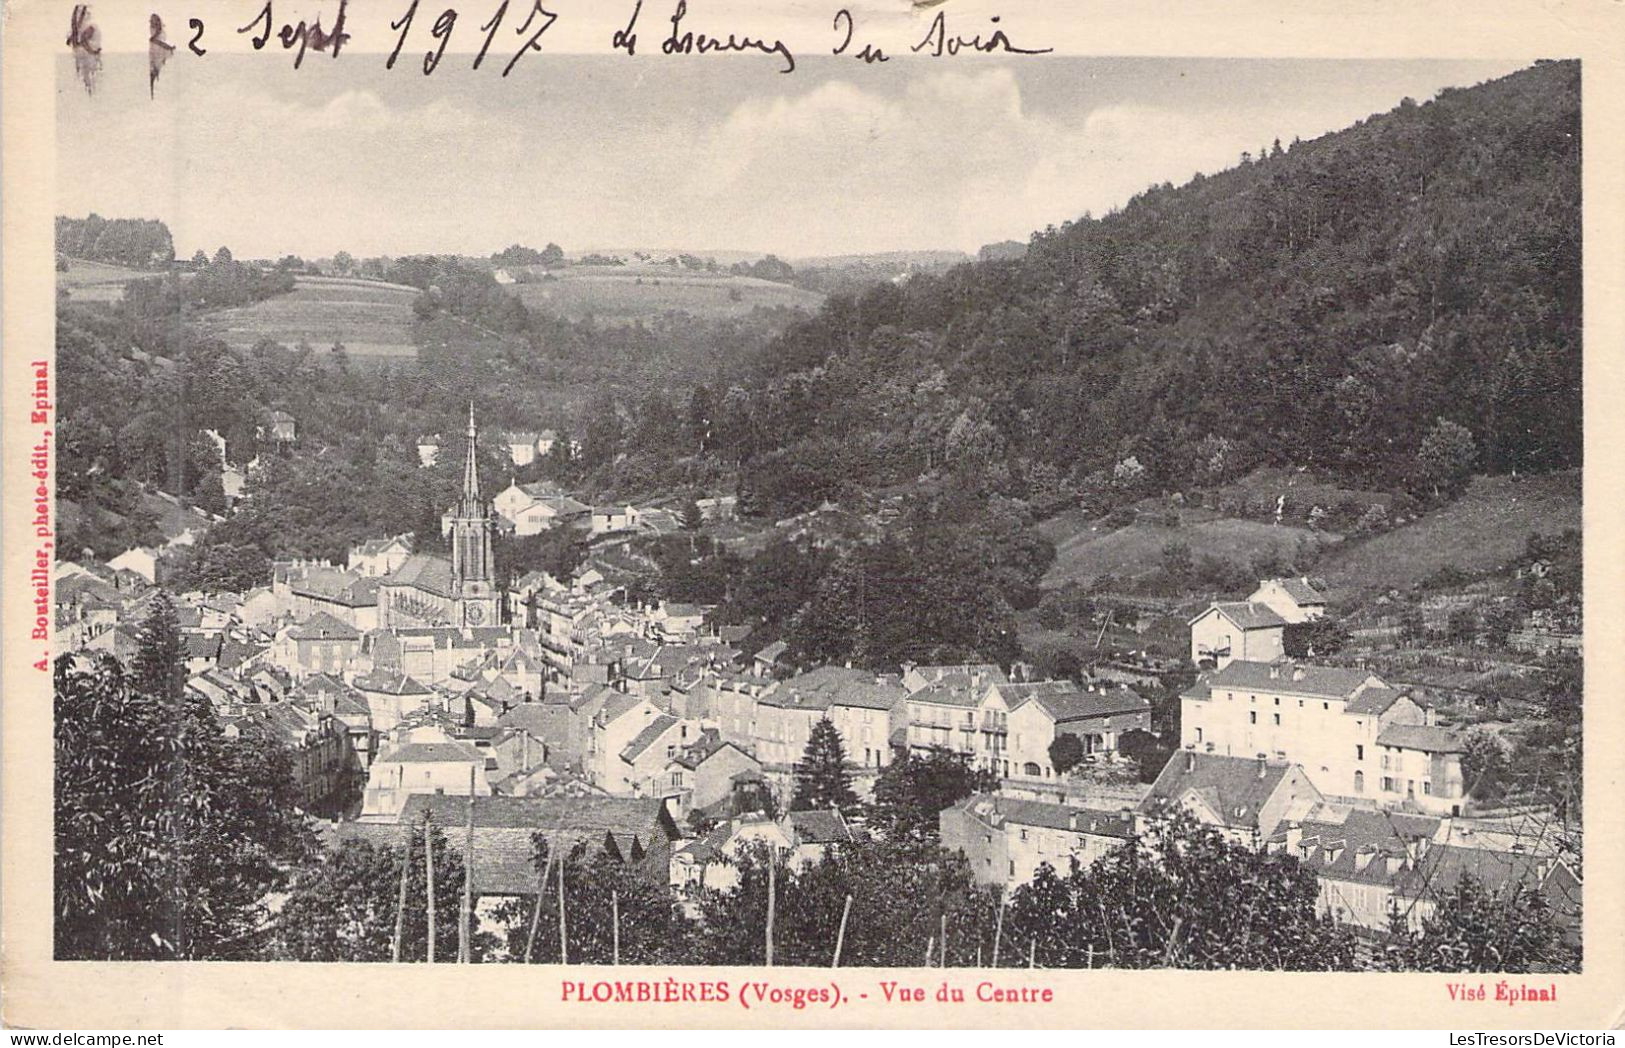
{"type": "Point", "coordinates": [428, 590]}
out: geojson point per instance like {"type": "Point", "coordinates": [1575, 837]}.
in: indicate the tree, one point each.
{"type": "Point", "coordinates": [200, 257]}
{"type": "Point", "coordinates": [1314, 639]}
{"type": "Point", "coordinates": [1183, 897]}
{"type": "Point", "coordinates": [1147, 750]}
{"type": "Point", "coordinates": [689, 515]}
{"type": "Point", "coordinates": [1065, 752]}
{"type": "Point", "coordinates": [1463, 626]}
{"type": "Point", "coordinates": [903, 894]}
{"type": "Point", "coordinates": [169, 836]}
{"type": "Point", "coordinates": [343, 906]}
{"type": "Point", "coordinates": [822, 780]}
{"type": "Point", "coordinates": [343, 263]}
{"type": "Point", "coordinates": [160, 662]}
{"type": "Point", "coordinates": [911, 792]}
{"type": "Point", "coordinates": [1475, 929]}
{"type": "Point", "coordinates": [1484, 768]}
{"type": "Point", "coordinates": [1177, 562]}
{"type": "Point", "coordinates": [652, 929]}
{"type": "Point", "coordinates": [1447, 456]}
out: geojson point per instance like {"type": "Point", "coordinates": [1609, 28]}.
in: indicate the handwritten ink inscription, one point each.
{"type": "Point", "coordinates": [305, 36]}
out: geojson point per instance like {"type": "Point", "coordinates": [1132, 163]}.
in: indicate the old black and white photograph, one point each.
{"type": "Point", "coordinates": [1020, 512]}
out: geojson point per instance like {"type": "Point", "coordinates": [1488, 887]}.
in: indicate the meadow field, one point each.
{"type": "Point", "coordinates": [1087, 549]}
{"type": "Point", "coordinates": [97, 281]}
{"type": "Point", "coordinates": [1485, 529]}
{"type": "Point", "coordinates": [370, 318]}
{"type": "Point", "coordinates": [620, 294]}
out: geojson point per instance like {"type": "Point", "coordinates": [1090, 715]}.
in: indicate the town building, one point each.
{"type": "Point", "coordinates": [433, 764]}
{"type": "Point", "coordinates": [1237, 630]}
{"type": "Point", "coordinates": [1354, 735]}
{"type": "Point", "coordinates": [1040, 711]}
{"type": "Point", "coordinates": [1007, 839]}
{"type": "Point", "coordinates": [1246, 800]}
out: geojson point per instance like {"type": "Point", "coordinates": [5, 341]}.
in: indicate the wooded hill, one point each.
{"type": "Point", "coordinates": [1322, 305]}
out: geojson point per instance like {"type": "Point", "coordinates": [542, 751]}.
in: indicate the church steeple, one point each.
{"type": "Point", "coordinates": [470, 505]}
{"type": "Point", "coordinates": [473, 567]}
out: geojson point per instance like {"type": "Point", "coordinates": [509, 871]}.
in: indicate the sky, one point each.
{"type": "Point", "coordinates": [582, 151]}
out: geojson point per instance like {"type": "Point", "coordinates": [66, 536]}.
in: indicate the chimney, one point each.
{"type": "Point", "coordinates": [1190, 762]}
{"type": "Point", "coordinates": [1294, 838]}
{"type": "Point", "coordinates": [1263, 766]}
{"type": "Point", "coordinates": [1073, 821]}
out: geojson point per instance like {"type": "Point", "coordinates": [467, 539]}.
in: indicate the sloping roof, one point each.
{"type": "Point", "coordinates": [1429, 738]}
{"type": "Point", "coordinates": [1065, 701]}
{"type": "Point", "coordinates": [639, 817]}
{"type": "Point", "coordinates": [425, 572]}
{"type": "Point", "coordinates": [616, 705]}
{"type": "Point", "coordinates": [1235, 787]}
{"type": "Point", "coordinates": [819, 827]}
{"type": "Point", "coordinates": [1246, 614]}
{"type": "Point", "coordinates": [432, 753]}
{"type": "Point", "coordinates": [388, 682]}
{"type": "Point", "coordinates": [322, 626]}
{"type": "Point", "coordinates": [1287, 678]}
{"type": "Point", "coordinates": [648, 736]}
{"type": "Point", "coordinates": [829, 686]}
{"type": "Point", "coordinates": [341, 587]}
{"type": "Point", "coordinates": [771, 652]}
{"type": "Point", "coordinates": [1050, 816]}
{"type": "Point", "coordinates": [200, 646]}
{"type": "Point", "coordinates": [1443, 866]}
{"type": "Point", "coordinates": [1373, 700]}
{"type": "Point", "coordinates": [1302, 589]}
{"type": "Point", "coordinates": [1343, 843]}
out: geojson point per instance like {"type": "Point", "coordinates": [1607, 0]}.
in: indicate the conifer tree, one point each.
{"type": "Point", "coordinates": [822, 780]}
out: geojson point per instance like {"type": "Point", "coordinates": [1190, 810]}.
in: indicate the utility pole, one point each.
{"type": "Point", "coordinates": [564, 941]}
{"type": "Point", "coordinates": [840, 936]}
{"type": "Point", "coordinates": [428, 871]}
{"type": "Point", "coordinates": [998, 928]}
{"type": "Point", "coordinates": [615, 927]}
{"type": "Point", "coordinates": [772, 887]}
{"type": "Point", "coordinates": [465, 949]}
{"type": "Point", "coordinates": [400, 902]}
{"type": "Point", "coordinates": [536, 913]}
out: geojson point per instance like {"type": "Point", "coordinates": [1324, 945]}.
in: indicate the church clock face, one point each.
{"type": "Point", "coordinates": [475, 614]}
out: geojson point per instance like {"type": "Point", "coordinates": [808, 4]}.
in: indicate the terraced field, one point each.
{"type": "Point", "coordinates": [370, 318]}
{"type": "Point", "coordinates": [627, 293]}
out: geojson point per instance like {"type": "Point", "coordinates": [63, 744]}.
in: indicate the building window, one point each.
{"type": "Point", "coordinates": [1359, 751]}
{"type": "Point", "coordinates": [1359, 782]}
{"type": "Point", "coordinates": [1387, 784]}
{"type": "Point", "coordinates": [1427, 788]}
{"type": "Point", "coordinates": [1198, 734]}
{"type": "Point", "coordinates": [1252, 717]}
{"type": "Point", "coordinates": [1277, 720]}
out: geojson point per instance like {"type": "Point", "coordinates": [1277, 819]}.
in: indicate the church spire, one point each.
{"type": "Point", "coordinates": [471, 469]}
